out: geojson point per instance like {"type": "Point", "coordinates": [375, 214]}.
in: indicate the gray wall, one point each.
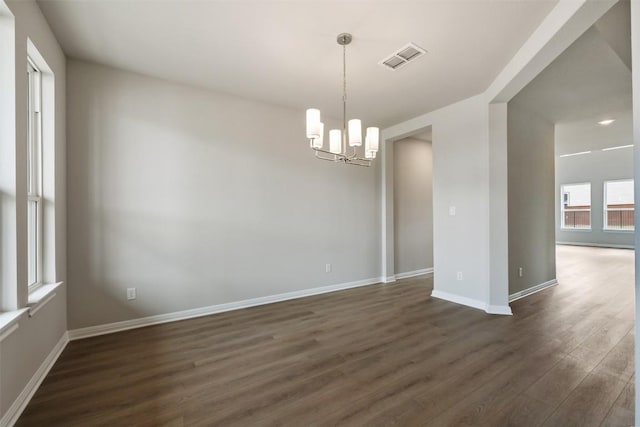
{"type": "Point", "coordinates": [461, 180]}
{"type": "Point", "coordinates": [595, 167]}
{"type": "Point", "coordinates": [197, 198]}
{"type": "Point", "coordinates": [23, 352]}
{"type": "Point", "coordinates": [530, 153]}
{"type": "Point", "coordinates": [635, 45]}
{"type": "Point", "coordinates": [413, 205]}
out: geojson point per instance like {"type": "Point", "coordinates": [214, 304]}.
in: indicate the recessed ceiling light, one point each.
{"type": "Point", "coordinates": [606, 122]}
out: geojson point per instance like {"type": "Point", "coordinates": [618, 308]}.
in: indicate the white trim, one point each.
{"type": "Point", "coordinates": [503, 310]}
{"type": "Point", "coordinates": [36, 307]}
{"type": "Point", "coordinates": [458, 299]}
{"type": "Point", "coordinates": [43, 291]}
{"type": "Point", "coordinates": [597, 245]}
{"type": "Point", "coordinates": [532, 290]}
{"type": "Point", "coordinates": [414, 273]}
{"type": "Point", "coordinates": [474, 303]}
{"type": "Point", "coordinates": [389, 279]}
{"type": "Point", "coordinates": [42, 296]}
{"type": "Point", "coordinates": [14, 412]}
{"type": "Point", "coordinates": [8, 320]}
{"type": "Point", "coordinates": [109, 328]}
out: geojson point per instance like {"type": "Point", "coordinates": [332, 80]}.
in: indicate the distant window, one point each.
{"type": "Point", "coordinates": [34, 178]}
{"type": "Point", "coordinates": [576, 206]}
{"type": "Point", "coordinates": [618, 205]}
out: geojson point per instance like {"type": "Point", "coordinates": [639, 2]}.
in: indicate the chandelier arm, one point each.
{"type": "Point", "coordinates": [366, 163]}
{"type": "Point", "coordinates": [320, 150]}
{"type": "Point", "coordinates": [324, 158]}
{"type": "Point", "coordinates": [335, 157]}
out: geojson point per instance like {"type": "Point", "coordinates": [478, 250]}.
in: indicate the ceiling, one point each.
{"type": "Point", "coordinates": [591, 79]}
{"type": "Point", "coordinates": [285, 52]}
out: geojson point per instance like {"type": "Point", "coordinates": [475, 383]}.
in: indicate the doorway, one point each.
{"type": "Point", "coordinates": [570, 155]}
{"type": "Point", "coordinates": [413, 205]}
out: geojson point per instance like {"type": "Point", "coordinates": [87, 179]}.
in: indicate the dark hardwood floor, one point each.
{"type": "Point", "coordinates": [378, 355]}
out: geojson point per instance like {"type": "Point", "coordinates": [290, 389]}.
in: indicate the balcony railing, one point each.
{"type": "Point", "coordinates": [619, 217]}
{"type": "Point", "coordinates": [577, 217]}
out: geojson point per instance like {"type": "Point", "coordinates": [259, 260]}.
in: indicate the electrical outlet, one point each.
{"type": "Point", "coordinates": [459, 275]}
{"type": "Point", "coordinates": [520, 272]}
{"type": "Point", "coordinates": [452, 211]}
{"type": "Point", "coordinates": [327, 268]}
{"type": "Point", "coordinates": [131, 293]}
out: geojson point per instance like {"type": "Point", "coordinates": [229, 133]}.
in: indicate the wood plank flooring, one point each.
{"type": "Point", "coordinates": [377, 355]}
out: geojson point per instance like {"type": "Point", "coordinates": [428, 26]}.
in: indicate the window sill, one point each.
{"type": "Point", "coordinates": [9, 322]}
{"type": "Point", "coordinates": [608, 230]}
{"type": "Point", "coordinates": [37, 299]}
{"type": "Point", "coordinates": [588, 230]}
{"type": "Point", "coordinates": [41, 296]}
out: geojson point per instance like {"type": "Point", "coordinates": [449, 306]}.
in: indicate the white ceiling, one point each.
{"type": "Point", "coordinates": [591, 79]}
{"type": "Point", "coordinates": [285, 52]}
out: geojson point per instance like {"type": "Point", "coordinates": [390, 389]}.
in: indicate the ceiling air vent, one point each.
{"type": "Point", "coordinates": [403, 56]}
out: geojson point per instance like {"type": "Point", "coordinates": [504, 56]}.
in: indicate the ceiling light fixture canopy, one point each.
{"type": "Point", "coordinates": [338, 138]}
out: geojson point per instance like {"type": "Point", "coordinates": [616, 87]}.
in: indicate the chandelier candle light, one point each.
{"type": "Point", "coordinates": [338, 150]}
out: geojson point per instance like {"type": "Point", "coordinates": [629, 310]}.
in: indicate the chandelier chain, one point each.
{"type": "Point", "coordinates": [344, 97]}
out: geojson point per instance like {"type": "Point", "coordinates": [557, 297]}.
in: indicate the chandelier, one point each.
{"type": "Point", "coordinates": [339, 138]}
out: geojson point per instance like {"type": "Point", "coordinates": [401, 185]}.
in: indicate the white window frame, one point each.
{"type": "Point", "coordinates": [34, 178]}
{"type": "Point", "coordinates": [605, 217]}
{"type": "Point", "coordinates": [562, 192]}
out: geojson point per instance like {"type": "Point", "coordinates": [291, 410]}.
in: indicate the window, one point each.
{"type": "Point", "coordinates": [34, 178]}
{"type": "Point", "coordinates": [576, 206]}
{"type": "Point", "coordinates": [618, 205]}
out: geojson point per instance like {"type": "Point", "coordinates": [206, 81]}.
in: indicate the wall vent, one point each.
{"type": "Point", "coordinates": [402, 56]}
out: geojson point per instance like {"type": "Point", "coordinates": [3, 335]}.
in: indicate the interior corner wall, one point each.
{"type": "Point", "coordinates": [25, 350]}
{"type": "Point", "coordinates": [197, 198]}
{"type": "Point", "coordinates": [413, 205]}
{"type": "Point", "coordinates": [530, 153]}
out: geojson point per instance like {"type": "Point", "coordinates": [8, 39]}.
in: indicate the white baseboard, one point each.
{"type": "Point", "coordinates": [474, 303]}
{"type": "Point", "coordinates": [389, 279]}
{"type": "Point", "coordinates": [414, 273]}
{"type": "Point", "coordinates": [110, 328]}
{"type": "Point", "coordinates": [503, 310]}
{"type": "Point", "coordinates": [532, 290]}
{"type": "Point", "coordinates": [458, 299]}
{"type": "Point", "coordinates": [18, 406]}
{"type": "Point", "coordinates": [596, 245]}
